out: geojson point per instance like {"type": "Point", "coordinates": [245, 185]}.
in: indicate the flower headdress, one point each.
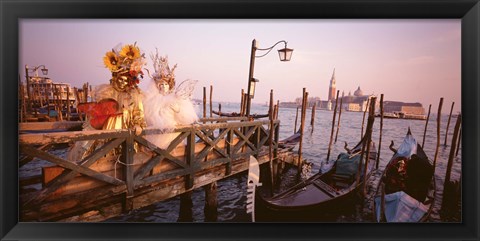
{"type": "Point", "coordinates": [162, 70]}
{"type": "Point", "coordinates": [126, 66]}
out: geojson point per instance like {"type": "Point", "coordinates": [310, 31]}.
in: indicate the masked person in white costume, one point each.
{"type": "Point", "coordinates": [167, 106]}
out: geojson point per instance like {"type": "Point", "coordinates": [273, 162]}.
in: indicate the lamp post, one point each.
{"type": "Point", "coordinates": [284, 54]}
{"type": "Point", "coordinates": [33, 69]}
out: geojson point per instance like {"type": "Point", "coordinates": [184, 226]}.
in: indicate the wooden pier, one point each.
{"type": "Point", "coordinates": [127, 172]}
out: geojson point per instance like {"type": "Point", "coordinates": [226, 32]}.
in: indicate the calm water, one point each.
{"type": "Point", "coordinates": [232, 191]}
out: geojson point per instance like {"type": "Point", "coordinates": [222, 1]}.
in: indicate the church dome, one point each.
{"type": "Point", "coordinates": [358, 92]}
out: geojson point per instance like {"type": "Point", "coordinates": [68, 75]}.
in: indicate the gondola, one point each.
{"type": "Point", "coordinates": [309, 200]}
{"type": "Point", "coordinates": [290, 141]}
{"type": "Point", "coordinates": [235, 114]}
{"type": "Point", "coordinates": [406, 191]}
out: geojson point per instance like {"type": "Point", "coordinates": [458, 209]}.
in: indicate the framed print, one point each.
{"type": "Point", "coordinates": [126, 120]}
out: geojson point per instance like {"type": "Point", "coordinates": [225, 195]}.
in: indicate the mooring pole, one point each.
{"type": "Point", "coordinates": [451, 156]}
{"type": "Point", "coordinates": [211, 203]}
{"type": "Point", "coordinates": [371, 119]}
{"type": "Point", "coordinates": [439, 114]}
{"type": "Point", "coordinates": [270, 141]}
{"type": "Point", "coordinates": [296, 117]}
{"type": "Point", "coordinates": [459, 140]}
{"type": "Point", "coordinates": [302, 126]}
{"type": "Point", "coordinates": [381, 130]}
{"type": "Point", "coordinates": [426, 124]}
{"type": "Point", "coordinates": [333, 127]}
{"type": "Point", "coordinates": [211, 105]}
{"type": "Point", "coordinates": [339, 116]}
{"type": "Point", "coordinates": [364, 113]}
{"type": "Point", "coordinates": [448, 124]}
{"type": "Point", "coordinates": [204, 102]}
{"type": "Point", "coordinates": [312, 120]}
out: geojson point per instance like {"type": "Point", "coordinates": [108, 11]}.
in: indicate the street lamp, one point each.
{"type": "Point", "coordinates": [284, 54]}
{"type": "Point", "coordinates": [33, 69]}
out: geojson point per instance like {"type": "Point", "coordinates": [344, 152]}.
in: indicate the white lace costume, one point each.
{"type": "Point", "coordinates": [167, 110]}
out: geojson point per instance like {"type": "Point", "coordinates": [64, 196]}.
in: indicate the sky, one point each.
{"type": "Point", "coordinates": [406, 60]}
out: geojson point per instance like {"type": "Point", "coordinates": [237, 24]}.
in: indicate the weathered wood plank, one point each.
{"type": "Point", "coordinates": [39, 126]}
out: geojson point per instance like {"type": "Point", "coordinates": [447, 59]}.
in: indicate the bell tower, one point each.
{"type": "Point", "coordinates": [332, 87]}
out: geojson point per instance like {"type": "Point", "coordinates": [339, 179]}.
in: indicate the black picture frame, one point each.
{"type": "Point", "coordinates": [12, 11]}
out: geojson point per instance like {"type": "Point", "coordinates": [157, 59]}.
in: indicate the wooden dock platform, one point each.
{"type": "Point", "coordinates": [127, 172]}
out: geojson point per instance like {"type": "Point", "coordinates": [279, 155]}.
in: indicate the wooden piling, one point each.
{"type": "Point", "coordinates": [185, 213]}
{"type": "Point", "coordinates": [381, 130]}
{"type": "Point", "coordinates": [276, 109]}
{"type": "Point", "coordinates": [204, 102]}
{"type": "Point", "coordinates": [366, 143]}
{"type": "Point", "coordinates": [439, 114]}
{"type": "Point", "coordinates": [270, 141]}
{"type": "Point", "coordinates": [452, 150]}
{"type": "Point", "coordinates": [211, 96]}
{"type": "Point", "coordinates": [459, 140]}
{"type": "Point", "coordinates": [78, 101]}
{"type": "Point", "coordinates": [339, 116]}
{"type": "Point", "coordinates": [241, 104]}
{"type": "Point", "coordinates": [211, 203]}
{"type": "Point", "coordinates": [448, 124]}
{"type": "Point", "coordinates": [426, 124]}
{"type": "Point", "coordinates": [296, 117]}
{"type": "Point", "coordinates": [371, 119]}
{"type": "Point", "coordinates": [333, 127]}
{"type": "Point", "coordinates": [451, 156]}
{"type": "Point", "coordinates": [302, 126]}
{"type": "Point", "coordinates": [364, 113]}
{"type": "Point", "coordinates": [312, 120]}
{"type": "Point", "coordinates": [68, 104]}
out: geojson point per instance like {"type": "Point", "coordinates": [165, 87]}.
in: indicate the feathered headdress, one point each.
{"type": "Point", "coordinates": [162, 70]}
{"type": "Point", "coordinates": [126, 65]}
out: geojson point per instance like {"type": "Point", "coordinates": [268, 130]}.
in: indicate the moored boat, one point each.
{"type": "Point", "coordinates": [322, 193]}
{"type": "Point", "coordinates": [406, 190]}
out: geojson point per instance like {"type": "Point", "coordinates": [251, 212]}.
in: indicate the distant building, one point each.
{"type": "Point", "coordinates": [402, 107]}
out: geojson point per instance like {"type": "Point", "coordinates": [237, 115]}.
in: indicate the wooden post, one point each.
{"type": "Point", "coordinates": [371, 119]}
{"type": "Point", "coordinates": [186, 214]}
{"type": "Point", "coordinates": [364, 113]}
{"type": "Point", "coordinates": [277, 108]}
{"type": "Point", "coordinates": [47, 96]}
{"type": "Point", "coordinates": [366, 143]}
{"type": "Point", "coordinates": [312, 120]}
{"type": "Point", "coordinates": [204, 102]}
{"type": "Point", "coordinates": [296, 117]}
{"type": "Point", "coordinates": [451, 156]}
{"type": "Point", "coordinates": [452, 150]}
{"type": "Point", "coordinates": [211, 203]}
{"type": "Point", "coordinates": [333, 127]}
{"type": "Point", "coordinates": [211, 95]}
{"type": "Point", "coordinates": [270, 141]}
{"type": "Point", "coordinates": [68, 103]}
{"type": "Point", "coordinates": [302, 124]}
{"type": "Point", "coordinates": [77, 100]}
{"type": "Point", "coordinates": [127, 161]}
{"type": "Point", "coordinates": [241, 104]}
{"type": "Point", "coordinates": [448, 124]}
{"type": "Point", "coordinates": [426, 124]}
{"type": "Point", "coordinates": [339, 116]}
{"type": "Point", "coordinates": [439, 114]}
{"type": "Point", "coordinates": [381, 129]}
{"type": "Point", "coordinates": [219, 108]}
{"type": "Point", "coordinates": [459, 140]}
{"type": "Point", "coordinates": [59, 103]}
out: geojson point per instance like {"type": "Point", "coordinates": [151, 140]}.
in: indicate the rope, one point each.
{"type": "Point", "coordinates": [115, 166]}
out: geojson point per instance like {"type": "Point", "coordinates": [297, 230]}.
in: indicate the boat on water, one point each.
{"type": "Point", "coordinates": [235, 114]}
{"type": "Point", "coordinates": [324, 192]}
{"type": "Point", "coordinates": [290, 141]}
{"type": "Point", "coordinates": [406, 190]}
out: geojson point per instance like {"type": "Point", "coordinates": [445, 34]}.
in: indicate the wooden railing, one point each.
{"type": "Point", "coordinates": [124, 163]}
